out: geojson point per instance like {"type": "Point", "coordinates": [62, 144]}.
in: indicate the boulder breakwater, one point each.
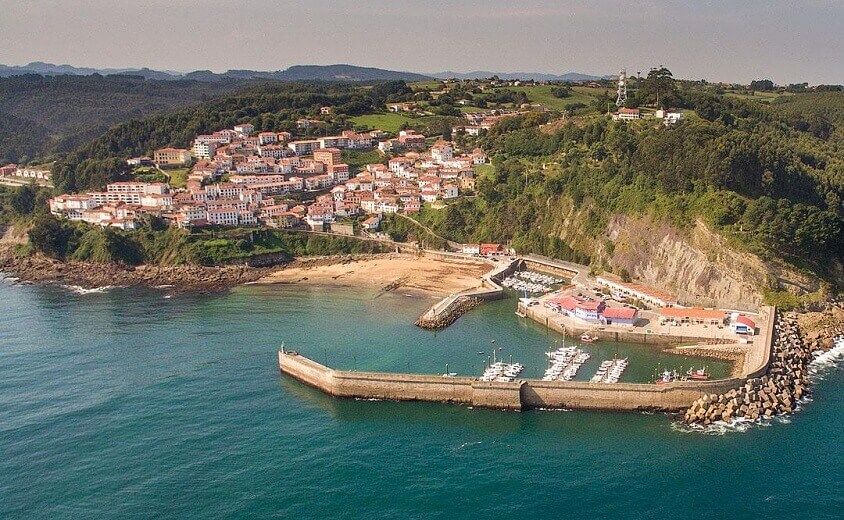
{"type": "Point", "coordinates": [777, 392]}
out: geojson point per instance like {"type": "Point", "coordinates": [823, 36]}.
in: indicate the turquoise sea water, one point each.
{"type": "Point", "coordinates": [127, 404]}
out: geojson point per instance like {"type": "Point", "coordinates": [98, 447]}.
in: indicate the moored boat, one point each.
{"type": "Point", "coordinates": [698, 375]}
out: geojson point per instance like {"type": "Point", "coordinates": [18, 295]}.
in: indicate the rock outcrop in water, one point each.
{"type": "Point", "coordinates": [193, 278]}
{"type": "Point", "coordinates": [775, 393]}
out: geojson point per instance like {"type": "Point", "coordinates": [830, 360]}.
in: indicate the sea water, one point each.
{"type": "Point", "coordinates": [132, 403]}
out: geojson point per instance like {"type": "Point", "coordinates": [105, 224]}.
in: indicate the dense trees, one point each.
{"type": "Point", "coordinates": [41, 116]}
{"type": "Point", "coordinates": [762, 84]}
{"type": "Point", "coordinates": [270, 107]}
{"type": "Point", "coordinates": [658, 88]}
{"type": "Point", "coordinates": [776, 190]}
{"type": "Point", "coordinates": [155, 244]}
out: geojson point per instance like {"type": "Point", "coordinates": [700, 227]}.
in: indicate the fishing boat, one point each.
{"type": "Point", "coordinates": [586, 338]}
{"type": "Point", "coordinates": [667, 376]}
{"type": "Point", "coordinates": [698, 375]}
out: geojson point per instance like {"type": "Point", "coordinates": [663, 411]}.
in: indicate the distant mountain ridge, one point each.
{"type": "Point", "coordinates": [574, 77]}
{"type": "Point", "coordinates": [339, 72]}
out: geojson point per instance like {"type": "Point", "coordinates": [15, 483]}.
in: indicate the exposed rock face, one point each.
{"type": "Point", "coordinates": [697, 264]}
{"type": "Point", "coordinates": [89, 275]}
{"type": "Point", "coordinates": [775, 393]}
{"type": "Point", "coordinates": [822, 326]}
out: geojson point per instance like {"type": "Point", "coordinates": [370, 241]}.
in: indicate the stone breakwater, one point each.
{"type": "Point", "coordinates": [441, 320]}
{"type": "Point", "coordinates": [775, 393]}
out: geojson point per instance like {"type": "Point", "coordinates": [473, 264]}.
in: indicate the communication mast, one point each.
{"type": "Point", "coordinates": [622, 88]}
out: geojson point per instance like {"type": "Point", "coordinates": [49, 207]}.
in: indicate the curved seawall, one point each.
{"type": "Point", "coordinates": [516, 395]}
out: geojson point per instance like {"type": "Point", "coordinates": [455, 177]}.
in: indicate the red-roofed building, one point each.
{"type": "Point", "coordinates": [492, 250]}
{"type": "Point", "coordinates": [619, 316]}
{"type": "Point", "coordinates": [743, 325]}
{"type": "Point", "coordinates": [678, 315]}
{"type": "Point", "coordinates": [580, 308]}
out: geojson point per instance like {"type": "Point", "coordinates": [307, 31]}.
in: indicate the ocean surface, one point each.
{"type": "Point", "coordinates": [141, 404]}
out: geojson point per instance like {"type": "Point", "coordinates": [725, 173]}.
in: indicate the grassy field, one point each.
{"type": "Point", "coordinates": [757, 96]}
{"type": "Point", "coordinates": [423, 85]}
{"type": "Point", "coordinates": [356, 159]}
{"type": "Point", "coordinates": [469, 110]}
{"type": "Point", "coordinates": [178, 177]}
{"type": "Point", "coordinates": [482, 170]}
{"type": "Point", "coordinates": [542, 94]}
{"type": "Point", "coordinates": [387, 121]}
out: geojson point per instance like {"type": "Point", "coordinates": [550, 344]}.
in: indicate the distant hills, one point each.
{"type": "Point", "coordinates": [339, 72]}
{"type": "Point", "coordinates": [50, 69]}
{"type": "Point", "coordinates": [574, 77]}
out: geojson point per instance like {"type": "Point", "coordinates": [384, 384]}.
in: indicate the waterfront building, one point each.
{"type": "Point", "coordinates": [621, 290]}
{"type": "Point", "coordinates": [619, 316]}
{"type": "Point", "coordinates": [691, 315]}
{"type": "Point", "coordinates": [492, 250]}
{"type": "Point", "coordinates": [740, 324]}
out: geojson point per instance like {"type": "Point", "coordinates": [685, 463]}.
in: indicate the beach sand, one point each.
{"type": "Point", "coordinates": [391, 272]}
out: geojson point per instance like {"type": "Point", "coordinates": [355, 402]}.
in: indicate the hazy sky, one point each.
{"type": "Point", "coordinates": [730, 41]}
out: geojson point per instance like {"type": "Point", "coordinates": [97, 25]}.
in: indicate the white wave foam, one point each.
{"type": "Point", "coordinates": [466, 444]}
{"type": "Point", "coordinates": [81, 290]}
{"type": "Point", "coordinates": [828, 359]}
{"type": "Point", "coordinates": [739, 425]}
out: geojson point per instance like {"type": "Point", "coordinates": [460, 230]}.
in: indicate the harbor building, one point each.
{"type": "Point", "coordinates": [621, 290]}
{"type": "Point", "coordinates": [692, 315]}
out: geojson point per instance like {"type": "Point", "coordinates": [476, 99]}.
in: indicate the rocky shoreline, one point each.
{"type": "Point", "coordinates": [775, 393]}
{"type": "Point", "coordinates": [183, 278]}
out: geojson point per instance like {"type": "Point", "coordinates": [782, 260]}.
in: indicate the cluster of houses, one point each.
{"type": "Point", "coordinates": [241, 178]}
{"type": "Point", "coordinates": [24, 172]}
{"type": "Point", "coordinates": [669, 311]}
{"type": "Point", "coordinates": [478, 122]}
{"type": "Point", "coordinates": [593, 311]}
{"type": "Point", "coordinates": [669, 117]}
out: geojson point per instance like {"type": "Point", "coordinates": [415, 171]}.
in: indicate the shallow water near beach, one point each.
{"type": "Point", "coordinates": [132, 403]}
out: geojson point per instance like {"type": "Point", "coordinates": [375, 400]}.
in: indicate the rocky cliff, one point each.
{"type": "Point", "coordinates": [697, 264]}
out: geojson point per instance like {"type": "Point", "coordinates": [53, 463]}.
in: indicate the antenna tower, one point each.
{"type": "Point", "coordinates": [622, 88]}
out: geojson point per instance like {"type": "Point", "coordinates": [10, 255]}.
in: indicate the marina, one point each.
{"type": "Point", "coordinates": [502, 372]}
{"type": "Point", "coordinates": [531, 282]}
{"type": "Point", "coordinates": [564, 362]}
{"type": "Point", "coordinates": [610, 371]}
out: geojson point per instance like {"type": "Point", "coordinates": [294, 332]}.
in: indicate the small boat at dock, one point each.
{"type": "Point", "coordinates": [698, 375]}
{"type": "Point", "coordinates": [667, 376]}
{"type": "Point", "coordinates": [586, 338]}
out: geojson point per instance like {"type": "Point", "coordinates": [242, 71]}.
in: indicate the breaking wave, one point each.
{"type": "Point", "coordinates": [95, 290]}
{"type": "Point", "coordinates": [828, 359]}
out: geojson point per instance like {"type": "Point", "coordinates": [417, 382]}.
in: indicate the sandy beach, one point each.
{"type": "Point", "coordinates": [392, 272]}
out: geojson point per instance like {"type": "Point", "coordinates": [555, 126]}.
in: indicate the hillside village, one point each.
{"type": "Point", "coordinates": [243, 178]}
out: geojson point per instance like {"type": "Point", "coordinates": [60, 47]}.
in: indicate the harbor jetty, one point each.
{"type": "Point", "coordinates": [449, 309]}
{"type": "Point", "coordinates": [518, 394]}
{"type": "Point", "coordinates": [777, 392]}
